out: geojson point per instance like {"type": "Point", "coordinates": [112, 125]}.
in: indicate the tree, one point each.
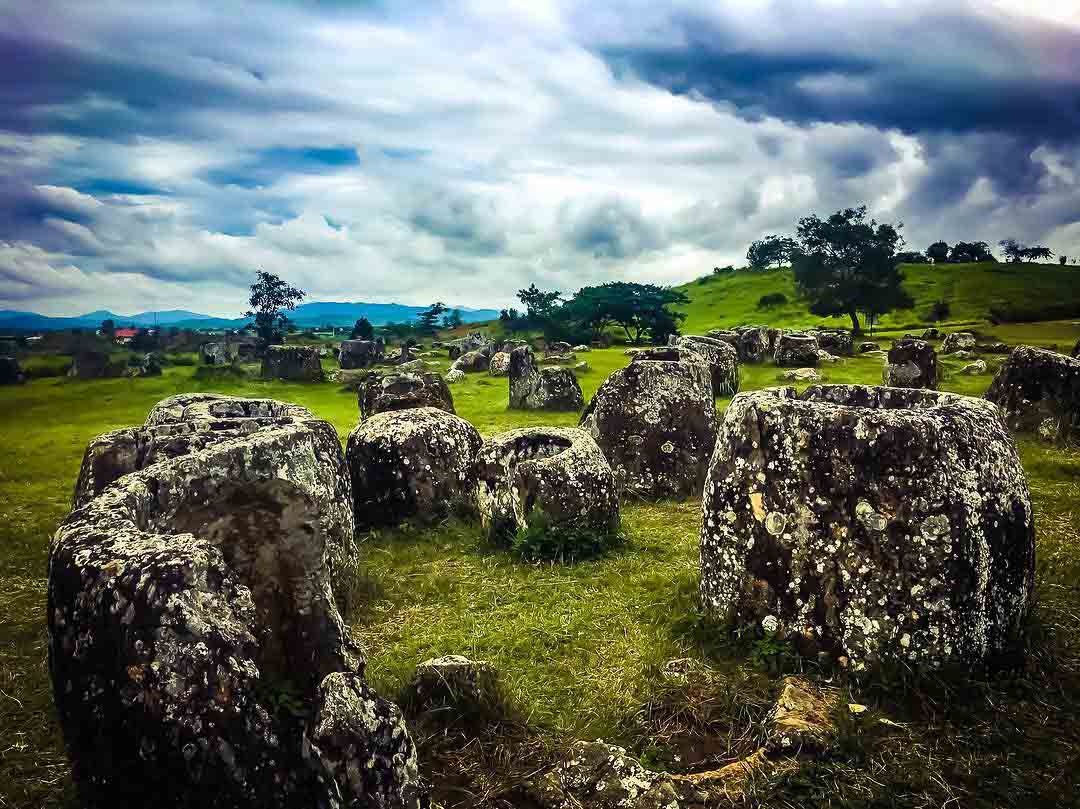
{"type": "Point", "coordinates": [1013, 250]}
{"type": "Point", "coordinates": [1063, 260]}
{"type": "Point", "coordinates": [270, 299]}
{"type": "Point", "coordinates": [362, 330]}
{"type": "Point", "coordinates": [638, 309]}
{"type": "Point", "coordinates": [428, 320]}
{"type": "Point", "coordinates": [938, 252]}
{"type": "Point", "coordinates": [771, 250]}
{"type": "Point", "coordinates": [910, 257]}
{"type": "Point", "coordinates": [1037, 251]}
{"type": "Point", "coordinates": [965, 252]}
{"type": "Point", "coordinates": [846, 264]}
{"type": "Point", "coordinates": [453, 320]}
{"type": "Point", "coordinates": [108, 328]}
{"type": "Point", "coordinates": [538, 304]}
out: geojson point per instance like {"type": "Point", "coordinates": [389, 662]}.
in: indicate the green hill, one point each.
{"type": "Point", "coordinates": [1016, 292]}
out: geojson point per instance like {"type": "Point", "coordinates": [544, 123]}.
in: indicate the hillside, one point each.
{"type": "Point", "coordinates": [1030, 291]}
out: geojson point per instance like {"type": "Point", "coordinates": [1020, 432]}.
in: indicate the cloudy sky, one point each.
{"type": "Point", "coordinates": [154, 159]}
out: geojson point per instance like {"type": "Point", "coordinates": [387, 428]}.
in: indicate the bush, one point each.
{"type": "Point", "coordinates": [1033, 312]}
{"type": "Point", "coordinates": [540, 541]}
{"type": "Point", "coordinates": [219, 373]}
{"type": "Point", "coordinates": [938, 311]}
{"type": "Point", "coordinates": [186, 360]}
{"type": "Point", "coordinates": [44, 367]}
{"type": "Point", "coordinates": [772, 299]}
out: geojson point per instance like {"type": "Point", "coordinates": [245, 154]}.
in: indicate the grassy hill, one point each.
{"type": "Point", "coordinates": [1020, 292]}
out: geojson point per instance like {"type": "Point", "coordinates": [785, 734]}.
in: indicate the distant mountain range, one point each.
{"type": "Point", "coordinates": [305, 315]}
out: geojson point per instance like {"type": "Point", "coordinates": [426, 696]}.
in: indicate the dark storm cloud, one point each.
{"type": "Point", "coordinates": [948, 72]}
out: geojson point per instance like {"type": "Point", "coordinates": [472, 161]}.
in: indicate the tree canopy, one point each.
{"type": "Point", "coordinates": [970, 252]}
{"type": "Point", "coordinates": [770, 251]}
{"type": "Point", "coordinates": [427, 322]}
{"type": "Point", "coordinates": [638, 309]}
{"type": "Point", "coordinates": [538, 303]}
{"type": "Point", "coordinates": [270, 298]}
{"type": "Point", "coordinates": [846, 264]}
{"type": "Point", "coordinates": [938, 252]}
{"type": "Point", "coordinates": [362, 330]}
{"type": "Point", "coordinates": [1015, 251]}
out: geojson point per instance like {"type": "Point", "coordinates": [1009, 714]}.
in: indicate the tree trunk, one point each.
{"type": "Point", "coordinates": [856, 329]}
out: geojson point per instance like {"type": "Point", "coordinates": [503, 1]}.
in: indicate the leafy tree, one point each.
{"type": "Point", "coordinates": [964, 252]}
{"type": "Point", "coordinates": [270, 299]}
{"type": "Point", "coordinates": [723, 270]}
{"type": "Point", "coordinates": [108, 328]}
{"type": "Point", "coordinates": [362, 330]}
{"type": "Point", "coordinates": [1013, 250]}
{"type": "Point", "coordinates": [1063, 260]}
{"type": "Point", "coordinates": [638, 309]}
{"type": "Point", "coordinates": [772, 250]}
{"type": "Point", "coordinates": [538, 304]}
{"type": "Point", "coordinates": [911, 257]}
{"type": "Point", "coordinates": [453, 320]}
{"type": "Point", "coordinates": [399, 330]}
{"type": "Point", "coordinates": [938, 252]}
{"type": "Point", "coordinates": [427, 322]}
{"type": "Point", "coordinates": [1017, 252]}
{"type": "Point", "coordinates": [846, 264]}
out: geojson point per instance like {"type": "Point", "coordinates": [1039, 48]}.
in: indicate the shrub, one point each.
{"type": "Point", "coordinates": [772, 299]}
{"type": "Point", "coordinates": [44, 367]}
{"type": "Point", "coordinates": [181, 359]}
{"type": "Point", "coordinates": [1033, 312]}
{"type": "Point", "coordinates": [728, 270]}
{"type": "Point", "coordinates": [940, 310]}
{"type": "Point", "coordinates": [219, 373]}
{"type": "Point", "coordinates": [540, 541]}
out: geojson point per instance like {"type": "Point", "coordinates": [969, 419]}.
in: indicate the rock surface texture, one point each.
{"type": "Point", "coordinates": [1039, 392]}
{"type": "Point", "coordinates": [875, 524]}
{"type": "Point", "coordinates": [535, 388]}
{"type": "Point", "coordinates": [416, 464]}
{"type": "Point", "coordinates": [958, 341]}
{"type": "Point", "coordinates": [292, 363]}
{"type": "Point", "coordinates": [722, 359]}
{"type": "Point", "coordinates": [218, 353]}
{"type": "Point", "coordinates": [472, 362]}
{"type": "Point", "coordinates": [837, 343]}
{"type": "Point", "coordinates": [359, 353]}
{"type": "Point", "coordinates": [655, 422]}
{"type": "Point", "coordinates": [796, 350]}
{"type": "Point", "coordinates": [912, 364]}
{"type": "Point", "coordinates": [557, 475]}
{"type": "Point", "coordinates": [403, 391]}
{"type": "Point", "coordinates": [500, 364]}
{"type": "Point", "coordinates": [188, 591]}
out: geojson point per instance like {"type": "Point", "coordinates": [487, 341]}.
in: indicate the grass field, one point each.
{"type": "Point", "coordinates": [971, 290]}
{"type": "Point", "coordinates": [580, 648]}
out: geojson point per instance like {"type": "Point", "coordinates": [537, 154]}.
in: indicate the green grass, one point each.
{"type": "Point", "coordinates": [579, 648]}
{"type": "Point", "coordinates": [971, 290]}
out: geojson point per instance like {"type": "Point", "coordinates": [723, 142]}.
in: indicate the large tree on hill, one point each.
{"type": "Point", "coordinates": [846, 264]}
{"type": "Point", "coordinates": [638, 309]}
{"type": "Point", "coordinates": [1017, 252]}
{"type": "Point", "coordinates": [453, 320]}
{"type": "Point", "coordinates": [938, 252]}
{"type": "Point", "coordinates": [965, 252]}
{"type": "Point", "coordinates": [1038, 251]}
{"type": "Point", "coordinates": [427, 322]}
{"type": "Point", "coordinates": [770, 251]}
{"type": "Point", "coordinates": [270, 299]}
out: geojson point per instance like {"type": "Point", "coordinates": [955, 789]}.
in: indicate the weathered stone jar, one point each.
{"type": "Point", "coordinates": [1039, 393]}
{"type": "Point", "coordinates": [655, 421]}
{"type": "Point", "coordinates": [556, 474]}
{"type": "Point", "coordinates": [873, 523]}
{"type": "Point", "coordinates": [416, 464]}
{"type": "Point", "coordinates": [188, 590]}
